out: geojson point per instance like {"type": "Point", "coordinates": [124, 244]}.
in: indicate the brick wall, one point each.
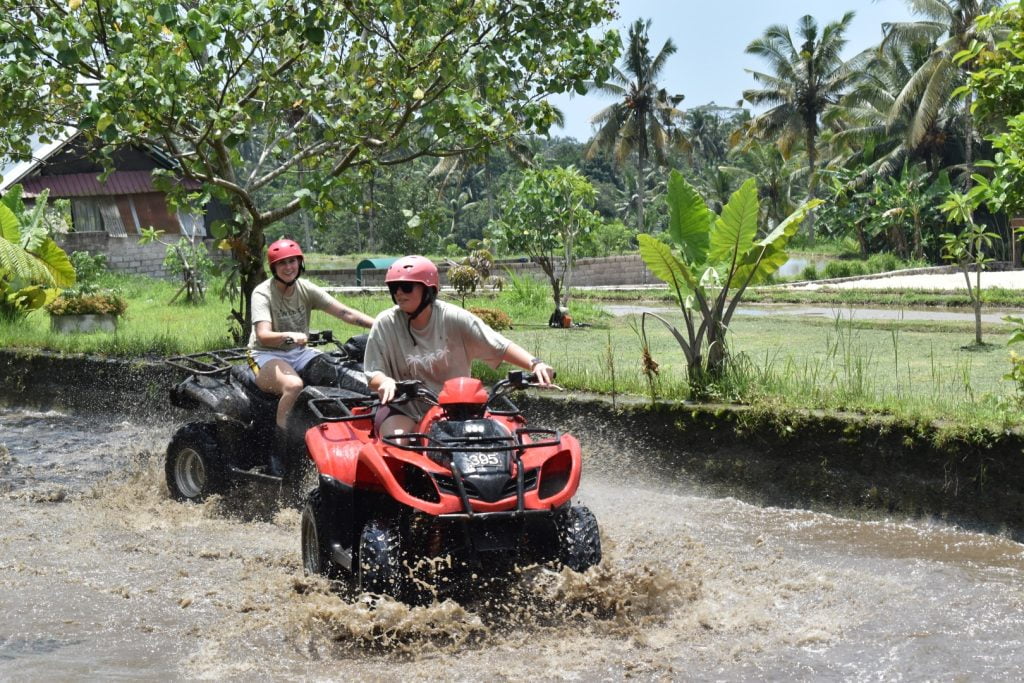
{"type": "Point", "coordinates": [124, 254]}
{"type": "Point", "coordinates": [588, 272]}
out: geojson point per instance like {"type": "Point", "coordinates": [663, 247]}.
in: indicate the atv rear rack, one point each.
{"type": "Point", "coordinates": [220, 361]}
{"type": "Point", "coordinates": [208, 363]}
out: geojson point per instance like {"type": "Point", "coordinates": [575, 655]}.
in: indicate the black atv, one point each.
{"type": "Point", "coordinates": [234, 437]}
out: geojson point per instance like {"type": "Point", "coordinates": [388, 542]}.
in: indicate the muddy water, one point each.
{"type": "Point", "coordinates": [102, 576]}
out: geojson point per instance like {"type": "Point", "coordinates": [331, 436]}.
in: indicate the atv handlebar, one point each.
{"type": "Point", "coordinates": [410, 389]}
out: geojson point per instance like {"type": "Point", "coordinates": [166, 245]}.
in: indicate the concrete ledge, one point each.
{"type": "Point", "coordinates": [796, 459]}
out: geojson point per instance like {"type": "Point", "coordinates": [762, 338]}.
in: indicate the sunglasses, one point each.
{"type": "Point", "coordinates": [406, 287]}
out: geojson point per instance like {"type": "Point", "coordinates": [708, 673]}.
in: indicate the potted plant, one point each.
{"type": "Point", "coordinates": [86, 309]}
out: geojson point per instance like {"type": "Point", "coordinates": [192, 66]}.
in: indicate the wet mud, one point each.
{"type": "Point", "coordinates": [102, 575]}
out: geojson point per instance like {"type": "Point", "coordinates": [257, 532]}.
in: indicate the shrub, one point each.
{"type": "Point", "coordinates": [464, 279]}
{"type": "Point", "coordinates": [494, 317]}
{"type": "Point", "coordinates": [85, 301]}
{"type": "Point", "coordinates": [810, 272]}
{"type": "Point", "coordinates": [88, 267]}
{"type": "Point", "coordinates": [884, 262]}
{"type": "Point", "coordinates": [858, 268]}
{"type": "Point", "coordinates": [837, 269]}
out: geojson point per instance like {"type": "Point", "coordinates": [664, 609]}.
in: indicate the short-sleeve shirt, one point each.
{"type": "Point", "coordinates": [286, 313]}
{"type": "Point", "coordinates": [444, 349]}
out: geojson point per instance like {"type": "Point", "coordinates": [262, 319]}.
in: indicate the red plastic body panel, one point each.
{"type": "Point", "coordinates": [350, 453]}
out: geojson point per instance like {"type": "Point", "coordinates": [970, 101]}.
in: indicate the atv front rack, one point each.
{"type": "Point", "coordinates": [479, 444]}
{"type": "Point", "coordinates": [418, 442]}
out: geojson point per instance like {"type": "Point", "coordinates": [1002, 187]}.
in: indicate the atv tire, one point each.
{"type": "Point", "coordinates": [380, 558]}
{"type": "Point", "coordinates": [194, 467]}
{"type": "Point", "coordinates": [579, 539]}
{"type": "Point", "coordinates": [316, 553]}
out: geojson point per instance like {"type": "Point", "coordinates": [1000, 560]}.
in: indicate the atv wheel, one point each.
{"type": "Point", "coordinates": [380, 564]}
{"type": "Point", "coordinates": [194, 466]}
{"type": "Point", "coordinates": [579, 539]}
{"type": "Point", "coordinates": [316, 554]}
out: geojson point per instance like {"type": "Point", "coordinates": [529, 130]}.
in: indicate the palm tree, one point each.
{"type": "Point", "coordinates": [866, 136]}
{"type": "Point", "coordinates": [950, 26]}
{"type": "Point", "coordinates": [808, 78]}
{"type": "Point", "coordinates": [645, 118]}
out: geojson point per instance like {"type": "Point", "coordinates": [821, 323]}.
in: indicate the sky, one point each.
{"type": "Point", "coordinates": [712, 36]}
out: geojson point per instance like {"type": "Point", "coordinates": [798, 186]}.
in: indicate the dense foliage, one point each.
{"type": "Point", "coordinates": [241, 93]}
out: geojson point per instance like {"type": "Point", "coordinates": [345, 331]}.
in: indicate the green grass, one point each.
{"type": "Point", "coordinates": [909, 369]}
{"type": "Point", "coordinates": [995, 297]}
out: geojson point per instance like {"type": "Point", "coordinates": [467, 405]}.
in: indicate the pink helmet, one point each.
{"type": "Point", "coordinates": [282, 249]}
{"type": "Point", "coordinates": [413, 269]}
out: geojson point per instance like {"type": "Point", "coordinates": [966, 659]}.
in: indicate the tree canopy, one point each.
{"type": "Point", "coordinates": [244, 93]}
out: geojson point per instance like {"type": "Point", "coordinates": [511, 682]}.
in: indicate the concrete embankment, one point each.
{"type": "Point", "coordinates": [843, 462]}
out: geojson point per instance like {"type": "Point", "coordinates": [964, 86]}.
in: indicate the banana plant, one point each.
{"type": "Point", "coordinates": [719, 256]}
{"type": "Point", "coordinates": [32, 266]}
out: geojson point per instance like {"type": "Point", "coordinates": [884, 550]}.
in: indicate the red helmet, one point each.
{"type": "Point", "coordinates": [282, 249]}
{"type": "Point", "coordinates": [413, 269]}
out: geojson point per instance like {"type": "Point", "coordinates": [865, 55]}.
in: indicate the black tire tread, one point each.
{"type": "Point", "coordinates": [321, 563]}
{"type": "Point", "coordinates": [380, 568]}
{"type": "Point", "coordinates": [579, 538]}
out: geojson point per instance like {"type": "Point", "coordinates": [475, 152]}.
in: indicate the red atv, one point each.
{"type": "Point", "coordinates": [474, 486]}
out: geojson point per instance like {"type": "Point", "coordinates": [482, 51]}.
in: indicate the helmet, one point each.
{"type": "Point", "coordinates": [282, 249]}
{"type": "Point", "coordinates": [413, 269]}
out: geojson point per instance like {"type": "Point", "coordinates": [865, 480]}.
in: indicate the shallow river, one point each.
{"type": "Point", "coordinates": [103, 576]}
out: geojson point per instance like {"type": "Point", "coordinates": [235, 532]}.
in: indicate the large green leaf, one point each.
{"type": "Point", "coordinates": [666, 266]}
{"type": "Point", "coordinates": [735, 229]}
{"type": "Point", "coordinates": [690, 219]}
{"type": "Point", "coordinates": [56, 261]}
{"type": "Point", "coordinates": [769, 253]}
{"type": "Point", "coordinates": [9, 225]}
{"type": "Point", "coordinates": [47, 265]}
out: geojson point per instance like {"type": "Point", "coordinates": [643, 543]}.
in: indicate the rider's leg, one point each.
{"type": "Point", "coordinates": [396, 423]}
{"type": "Point", "coordinates": [278, 377]}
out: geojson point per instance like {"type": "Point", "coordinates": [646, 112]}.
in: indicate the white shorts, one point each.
{"type": "Point", "coordinates": [298, 357]}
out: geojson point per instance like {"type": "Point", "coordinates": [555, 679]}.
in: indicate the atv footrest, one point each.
{"type": "Point", "coordinates": [255, 475]}
{"type": "Point", "coordinates": [341, 555]}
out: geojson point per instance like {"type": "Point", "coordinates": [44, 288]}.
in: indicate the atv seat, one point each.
{"type": "Point", "coordinates": [244, 375]}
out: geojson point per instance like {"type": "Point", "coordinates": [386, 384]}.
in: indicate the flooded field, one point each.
{"type": "Point", "coordinates": [103, 576]}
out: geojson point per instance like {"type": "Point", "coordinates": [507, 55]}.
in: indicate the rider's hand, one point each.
{"type": "Point", "coordinates": [386, 390]}
{"type": "Point", "coordinates": [544, 373]}
{"type": "Point", "coordinates": [298, 338]}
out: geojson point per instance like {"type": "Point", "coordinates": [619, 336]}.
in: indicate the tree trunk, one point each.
{"type": "Point", "coordinates": [812, 183]}
{"type": "Point", "coordinates": [641, 168]}
{"type": "Point", "coordinates": [977, 304]}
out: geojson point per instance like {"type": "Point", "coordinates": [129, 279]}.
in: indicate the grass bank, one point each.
{"type": "Point", "coordinates": [908, 369]}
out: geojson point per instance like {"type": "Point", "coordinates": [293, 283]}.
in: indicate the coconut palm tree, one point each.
{"type": "Point", "coordinates": [645, 119]}
{"type": "Point", "coordinates": [950, 26]}
{"type": "Point", "coordinates": [864, 133]}
{"type": "Point", "coordinates": [808, 77]}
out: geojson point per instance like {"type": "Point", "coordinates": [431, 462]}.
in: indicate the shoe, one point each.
{"type": "Point", "coordinates": [279, 453]}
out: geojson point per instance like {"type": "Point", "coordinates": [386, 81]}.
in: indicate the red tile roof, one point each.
{"type": "Point", "coordinates": [88, 184]}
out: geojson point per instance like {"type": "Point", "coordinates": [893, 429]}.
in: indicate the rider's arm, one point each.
{"type": "Point", "coordinates": [349, 315]}
{"type": "Point", "coordinates": [383, 385]}
{"type": "Point", "coordinates": [517, 355]}
{"type": "Point", "coordinates": [268, 338]}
